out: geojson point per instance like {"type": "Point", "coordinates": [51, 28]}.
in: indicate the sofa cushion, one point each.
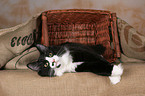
{"type": "Point", "coordinates": [13, 41]}
{"type": "Point", "coordinates": [29, 83]}
{"type": "Point", "coordinates": [132, 42]}
{"type": "Point", "coordinates": [22, 60]}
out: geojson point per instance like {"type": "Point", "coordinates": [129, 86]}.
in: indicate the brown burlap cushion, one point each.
{"type": "Point", "coordinates": [22, 60]}
{"type": "Point", "coordinates": [132, 42]}
{"type": "Point", "coordinates": [13, 41]}
{"type": "Point", "coordinates": [80, 26]}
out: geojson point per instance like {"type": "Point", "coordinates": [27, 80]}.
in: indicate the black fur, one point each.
{"type": "Point", "coordinates": [92, 58]}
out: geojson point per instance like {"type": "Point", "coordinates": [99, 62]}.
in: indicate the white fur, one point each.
{"type": "Point", "coordinates": [51, 59]}
{"type": "Point", "coordinates": [67, 64]}
{"type": "Point", "coordinates": [115, 79]}
{"type": "Point", "coordinates": [116, 74]}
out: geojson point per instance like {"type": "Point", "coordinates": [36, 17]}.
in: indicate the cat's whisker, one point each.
{"type": "Point", "coordinates": [60, 51]}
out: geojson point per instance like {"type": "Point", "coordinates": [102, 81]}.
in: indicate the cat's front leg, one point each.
{"type": "Point", "coordinates": [59, 72]}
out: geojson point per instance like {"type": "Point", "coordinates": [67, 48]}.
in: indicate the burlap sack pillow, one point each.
{"type": "Point", "coordinates": [13, 41]}
{"type": "Point", "coordinates": [132, 42]}
{"type": "Point", "coordinates": [126, 59]}
{"type": "Point", "coordinates": [22, 60]}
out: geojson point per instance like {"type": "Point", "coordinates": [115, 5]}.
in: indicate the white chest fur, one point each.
{"type": "Point", "coordinates": [67, 64]}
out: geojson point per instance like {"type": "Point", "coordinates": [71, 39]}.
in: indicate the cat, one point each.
{"type": "Point", "coordinates": [74, 57]}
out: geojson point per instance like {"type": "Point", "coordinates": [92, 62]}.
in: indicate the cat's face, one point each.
{"type": "Point", "coordinates": [47, 62]}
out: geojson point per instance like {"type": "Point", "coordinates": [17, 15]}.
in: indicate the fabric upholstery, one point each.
{"type": "Point", "coordinates": [132, 42]}
{"type": "Point", "coordinates": [20, 62]}
{"type": "Point", "coordinates": [29, 83]}
{"type": "Point", "coordinates": [13, 41]}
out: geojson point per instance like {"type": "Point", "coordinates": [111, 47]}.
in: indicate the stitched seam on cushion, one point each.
{"type": "Point", "coordinates": [22, 57]}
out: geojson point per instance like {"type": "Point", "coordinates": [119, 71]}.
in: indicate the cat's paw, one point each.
{"type": "Point", "coordinates": [59, 73]}
{"type": "Point", "coordinates": [117, 71]}
{"type": "Point", "coordinates": [115, 79]}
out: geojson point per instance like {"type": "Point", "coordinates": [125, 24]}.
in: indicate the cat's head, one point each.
{"type": "Point", "coordinates": [47, 62]}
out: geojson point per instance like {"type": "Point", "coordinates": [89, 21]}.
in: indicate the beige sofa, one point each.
{"type": "Point", "coordinates": [17, 80]}
{"type": "Point", "coordinates": [28, 83]}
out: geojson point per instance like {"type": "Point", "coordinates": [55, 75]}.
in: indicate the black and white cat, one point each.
{"type": "Point", "coordinates": [74, 57]}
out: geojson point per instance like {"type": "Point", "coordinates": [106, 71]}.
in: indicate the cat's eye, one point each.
{"type": "Point", "coordinates": [46, 64]}
{"type": "Point", "coordinates": [50, 54]}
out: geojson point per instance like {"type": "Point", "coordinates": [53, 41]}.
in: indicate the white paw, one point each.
{"type": "Point", "coordinates": [115, 79]}
{"type": "Point", "coordinates": [117, 70]}
{"type": "Point", "coordinates": [58, 73]}
{"type": "Point", "coordinates": [116, 74]}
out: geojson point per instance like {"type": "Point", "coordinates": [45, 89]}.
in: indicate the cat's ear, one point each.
{"type": "Point", "coordinates": [35, 66]}
{"type": "Point", "coordinates": [41, 48]}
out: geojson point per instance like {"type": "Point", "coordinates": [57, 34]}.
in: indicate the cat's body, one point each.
{"type": "Point", "coordinates": [74, 57]}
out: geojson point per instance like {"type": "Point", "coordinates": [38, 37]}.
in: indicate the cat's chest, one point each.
{"type": "Point", "coordinates": [67, 64]}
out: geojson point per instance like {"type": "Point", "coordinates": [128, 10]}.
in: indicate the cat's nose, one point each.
{"type": "Point", "coordinates": [53, 60]}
